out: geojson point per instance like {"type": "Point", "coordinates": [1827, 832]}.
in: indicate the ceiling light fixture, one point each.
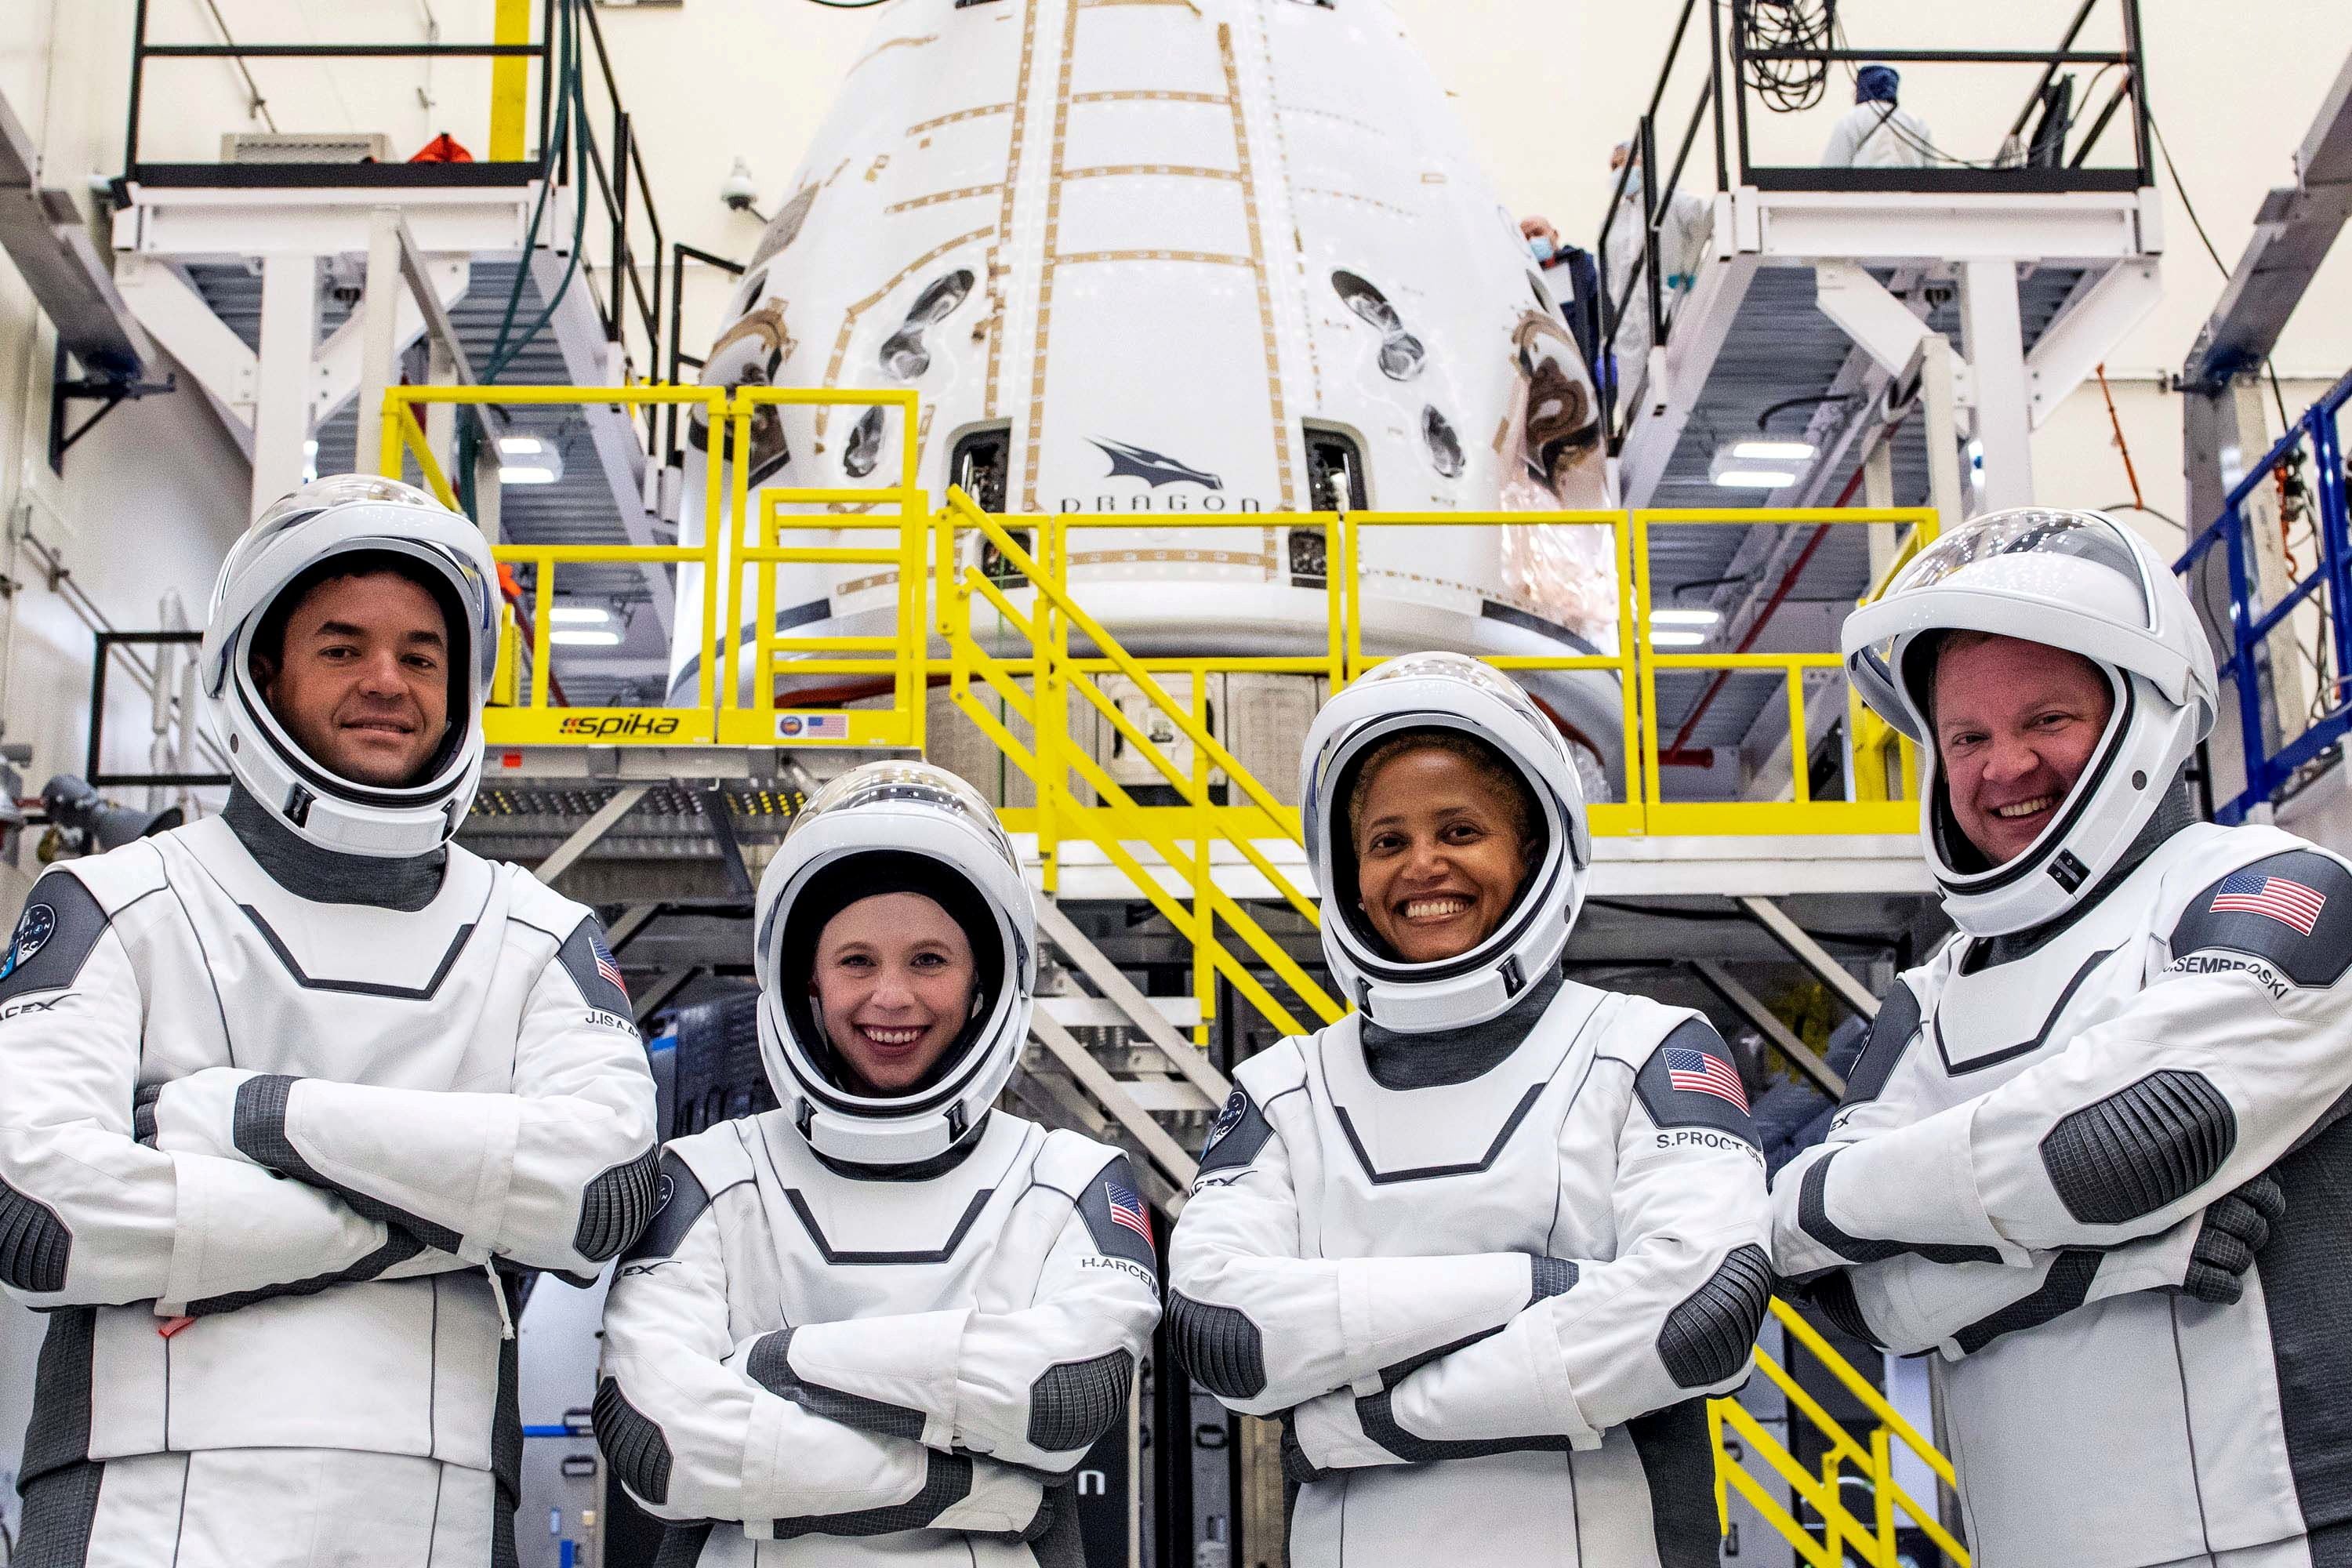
{"type": "Point", "coordinates": [580, 637]}
{"type": "Point", "coordinates": [1685, 617]}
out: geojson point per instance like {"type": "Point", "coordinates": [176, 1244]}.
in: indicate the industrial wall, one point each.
{"type": "Point", "coordinates": [148, 500]}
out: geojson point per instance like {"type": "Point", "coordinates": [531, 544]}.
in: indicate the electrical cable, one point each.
{"type": "Point", "coordinates": [846, 5]}
{"type": "Point", "coordinates": [1768, 27]}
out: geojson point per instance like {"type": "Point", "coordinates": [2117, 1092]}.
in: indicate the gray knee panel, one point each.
{"type": "Point", "coordinates": [615, 1206]}
{"type": "Point", "coordinates": [633, 1444]}
{"type": "Point", "coordinates": [2140, 1149]}
{"type": "Point", "coordinates": [1219, 1346]}
{"type": "Point", "coordinates": [1074, 1403]}
{"type": "Point", "coordinates": [1708, 1337]}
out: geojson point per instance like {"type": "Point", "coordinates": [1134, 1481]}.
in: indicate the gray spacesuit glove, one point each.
{"type": "Point", "coordinates": [2236, 1226]}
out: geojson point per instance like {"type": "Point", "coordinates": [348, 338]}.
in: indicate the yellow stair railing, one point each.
{"type": "Point", "coordinates": [1872, 1540]}
{"type": "Point", "coordinates": [1049, 758]}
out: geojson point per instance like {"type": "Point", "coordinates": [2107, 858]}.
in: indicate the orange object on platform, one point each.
{"type": "Point", "coordinates": [443, 149]}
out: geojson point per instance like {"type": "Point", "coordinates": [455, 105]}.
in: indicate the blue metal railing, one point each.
{"type": "Point", "coordinates": [2270, 766]}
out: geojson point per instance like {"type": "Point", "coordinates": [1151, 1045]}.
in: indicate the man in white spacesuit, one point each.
{"type": "Point", "coordinates": [2089, 1152]}
{"type": "Point", "coordinates": [883, 1322]}
{"type": "Point", "coordinates": [292, 1091]}
{"type": "Point", "coordinates": [1487, 1244]}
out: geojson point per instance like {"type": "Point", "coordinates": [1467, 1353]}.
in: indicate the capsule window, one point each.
{"type": "Point", "coordinates": [1401, 353]}
{"type": "Point", "coordinates": [864, 448]}
{"type": "Point", "coordinates": [1444, 445]}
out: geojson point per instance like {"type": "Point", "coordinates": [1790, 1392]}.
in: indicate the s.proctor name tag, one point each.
{"type": "Point", "coordinates": [811, 726]}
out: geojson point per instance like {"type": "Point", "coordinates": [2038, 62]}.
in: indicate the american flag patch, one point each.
{"type": "Point", "coordinates": [2281, 899]}
{"type": "Point", "coordinates": [1127, 1209]}
{"type": "Point", "coordinates": [1696, 1072]}
{"type": "Point", "coordinates": [604, 965]}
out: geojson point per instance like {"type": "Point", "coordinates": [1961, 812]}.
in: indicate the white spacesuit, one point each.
{"type": "Point", "coordinates": [2050, 1164]}
{"type": "Point", "coordinates": [1487, 1242]}
{"type": "Point", "coordinates": [286, 1089]}
{"type": "Point", "coordinates": [1685, 224]}
{"type": "Point", "coordinates": [869, 1329]}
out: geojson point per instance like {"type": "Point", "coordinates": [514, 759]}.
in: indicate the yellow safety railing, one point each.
{"type": "Point", "coordinates": [1871, 810]}
{"type": "Point", "coordinates": [1885, 766]}
{"type": "Point", "coordinates": [1603, 816]}
{"type": "Point", "coordinates": [1871, 1540]}
{"type": "Point", "coordinates": [736, 540]}
{"type": "Point", "coordinates": [1119, 823]}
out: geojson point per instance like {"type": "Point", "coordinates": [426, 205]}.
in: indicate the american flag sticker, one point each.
{"type": "Point", "coordinates": [1696, 1072]}
{"type": "Point", "coordinates": [811, 726]}
{"type": "Point", "coordinates": [604, 965]}
{"type": "Point", "coordinates": [2282, 898]}
{"type": "Point", "coordinates": [1127, 1209]}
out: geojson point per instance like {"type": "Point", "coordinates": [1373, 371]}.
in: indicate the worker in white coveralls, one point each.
{"type": "Point", "coordinates": [885, 1321]}
{"type": "Point", "coordinates": [1487, 1245]}
{"type": "Point", "coordinates": [1685, 224]}
{"type": "Point", "coordinates": [2089, 1155]}
{"type": "Point", "coordinates": [293, 1092]}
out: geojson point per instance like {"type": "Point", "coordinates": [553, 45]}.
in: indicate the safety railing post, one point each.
{"type": "Point", "coordinates": [715, 640]}
{"type": "Point", "coordinates": [2250, 684]}
{"type": "Point", "coordinates": [1799, 746]}
{"type": "Point", "coordinates": [2334, 530]}
{"type": "Point", "coordinates": [1652, 796]}
{"type": "Point", "coordinates": [1046, 730]}
{"type": "Point", "coordinates": [1204, 931]}
{"type": "Point", "coordinates": [1632, 697]}
{"type": "Point", "coordinates": [1881, 1486]}
{"type": "Point", "coordinates": [739, 519]}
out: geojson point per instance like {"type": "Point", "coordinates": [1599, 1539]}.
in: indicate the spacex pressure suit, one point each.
{"type": "Point", "coordinates": [879, 1330]}
{"type": "Point", "coordinates": [272, 1113]}
{"type": "Point", "coordinates": [2030, 1172]}
{"type": "Point", "coordinates": [1488, 1269]}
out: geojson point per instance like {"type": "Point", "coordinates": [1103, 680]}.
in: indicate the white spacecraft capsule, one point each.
{"type": "Point", "coordinates": [1182, 258]}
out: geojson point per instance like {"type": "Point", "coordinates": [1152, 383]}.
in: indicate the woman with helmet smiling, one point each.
{"type": "Point", "coordinates": [885, 1321]}
{"type": "Point", "coordinates": [1487, 1244]}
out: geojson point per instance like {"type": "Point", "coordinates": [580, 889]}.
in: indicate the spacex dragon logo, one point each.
{"type": "Point", "coordinates": [1154, 468]}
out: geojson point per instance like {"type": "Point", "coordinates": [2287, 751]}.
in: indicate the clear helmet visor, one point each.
{"type": "Point", "coordinates": [2077, 560]}
{"type": "Point", "coordinates": [909, 783]}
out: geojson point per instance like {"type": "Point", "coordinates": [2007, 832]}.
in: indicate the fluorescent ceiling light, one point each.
{"type": "Point", "coordinates": [1749, 479]}
{"type": "Point", "coordinates": [582, 637]}
{"type": "Point", "coordinates": [1677, 640]}
{"type": "Point", "coordinates": [1685, 617]}
{"type": "Point", "coordinates": [579, 614]}
{"type": "Point", "coordinates": [1773, 452]}
{"type": "Point", "coordinates": [528, 461]}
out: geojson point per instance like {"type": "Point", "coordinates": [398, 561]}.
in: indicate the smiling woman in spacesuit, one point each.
{"type": "Point", "coordinates": [1486, 1245]}
{"type": "Point", "coordinates": [883, 1322]}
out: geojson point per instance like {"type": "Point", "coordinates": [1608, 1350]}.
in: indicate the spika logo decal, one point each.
{"type": "Point", "coordinates": [1231, 1116]}
{"type": "Point", "coordinates": [32, 932]}
{"type": "Point", "coordinates": [1154, 468]}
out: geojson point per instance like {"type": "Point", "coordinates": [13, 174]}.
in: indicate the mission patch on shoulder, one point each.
{"type": "Point", "coordinates": [2291, 910]}
{"type": "Point", "coordinates": [1690, 1080]}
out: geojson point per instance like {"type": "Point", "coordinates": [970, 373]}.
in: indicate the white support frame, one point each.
{"type": "Point", "coordinates": [2094, 320]}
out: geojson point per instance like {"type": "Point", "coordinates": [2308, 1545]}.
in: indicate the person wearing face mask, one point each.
{"type": "Point", "coordinates": [1685, 224]}
{"type": "Point", "coordinates": [295, 1094]}
{"type": "Point", "coordinates": [2089, 1154]}
{"type": "Point", "coordinates": [1487, 1245]}
{"type": "Point", "coordinates": [1574, 282]}
{"type": "Point", "coordinates": [884, 1322]}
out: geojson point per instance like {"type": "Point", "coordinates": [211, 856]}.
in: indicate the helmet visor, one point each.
{"type": "Point", "coordinates": [907, 784]}
{"type": "Point", "coordinates": [2029, 554]}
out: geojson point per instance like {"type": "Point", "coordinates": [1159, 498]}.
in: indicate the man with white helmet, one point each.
{"type": "Point", "coordinates": [2089, 1154]}
{"type": "Point", "coordinates": [1489, 1244]}
{"type": "Point", "coordinates": [883, 1322]}
{"type": "Point", "coordinates": [294, 1092]}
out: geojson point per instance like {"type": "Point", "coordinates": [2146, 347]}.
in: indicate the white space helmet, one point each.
{"type": "Point", "coordinates": [2071, 580]}
{"type": "Point", "coordinates": [351, 514]}
{"type": "Point", "coordinates": [893, 827]}
{"type": "Point", "coordinates": [1444, 691]}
